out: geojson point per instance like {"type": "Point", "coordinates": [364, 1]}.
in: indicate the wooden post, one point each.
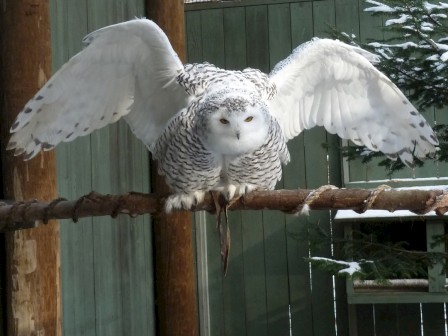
{"type": "Point", "coordinates": [32, 266]}
{"type": "Point", "coordinates": [173, 234]}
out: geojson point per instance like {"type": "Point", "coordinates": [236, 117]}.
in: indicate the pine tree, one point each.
{"type": "Point", "coordinates": [379, 251]}
{"type": "Point", "coordinates": [414, 56]}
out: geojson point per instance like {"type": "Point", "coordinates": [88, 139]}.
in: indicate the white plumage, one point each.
{"type": "Point", "coordinates": [214, 129]}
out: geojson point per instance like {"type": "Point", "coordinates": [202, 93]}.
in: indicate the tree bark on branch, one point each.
{"type": "Point", "coordinates": [22, 215]}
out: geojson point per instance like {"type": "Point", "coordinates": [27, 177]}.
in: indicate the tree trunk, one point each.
{"type": "Point", "coordinates": [32, 256]}
{"type": "Point", "coordinates": [173, 234]}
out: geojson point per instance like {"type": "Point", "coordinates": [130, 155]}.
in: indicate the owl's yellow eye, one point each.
{"type": "Point", "coordinates": [223, 121]}
{"type": "Point", "coordinates": [248, 119]}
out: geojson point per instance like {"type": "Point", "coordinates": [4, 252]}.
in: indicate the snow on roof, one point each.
{"type": "Point", "coordinates": [350, 215]}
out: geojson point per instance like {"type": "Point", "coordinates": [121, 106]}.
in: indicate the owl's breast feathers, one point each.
{"type": "Point", "coordinates": [184, 157]}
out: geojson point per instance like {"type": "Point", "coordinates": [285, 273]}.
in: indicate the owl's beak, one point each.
{"type": "Point", "coordinates": [237, 135]}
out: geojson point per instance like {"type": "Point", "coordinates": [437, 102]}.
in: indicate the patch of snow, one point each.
{"type": "Point", "coordinates": [429, 187]}
{"type": "Point", "coordinates": [409, 28]}
{"type": "Point", "coordinates": [366, 152]}
{"type": "Point", "coordinates": [379, 7]}
{"type": "Point", "coordinates": [426, 26]}
{"type": "Point", "coordinates": [429, 7]}
{"type": "Point", "coordinates": [402, 19]}
{"type": "Point", "coordinates": [441, 66]}
{"type": "Point", "coordinates": [344, 215]}
{"type": "Point", "coordinates": [433, 58]}
{"type": "Point", "coordinates": [441, 46]}
{"type": "Point", "coordinates": [423, 179]}
{"type": "Point", "coordinates": [351, 267]}
{"type": "Point", "coordinates": [404, 45]}
{"type": "Point", "coordinates": [444, 56]}
{"type": "Point", "coordinates": [439, 15]}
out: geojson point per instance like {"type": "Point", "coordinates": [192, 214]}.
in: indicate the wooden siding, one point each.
{"type": "Point", "coordinates": [269, 288]}
{"type": "Point", "coordinates": [106, 264]}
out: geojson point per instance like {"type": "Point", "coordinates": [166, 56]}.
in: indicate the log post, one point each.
{"type": "Point", "coordinates": [174, 262]}
{"type": "Point", "coordinates": [32, 256]}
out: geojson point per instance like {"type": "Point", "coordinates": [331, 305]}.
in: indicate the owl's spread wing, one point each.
{"type": "Point", "coordinates": [331, 84]}
{"type": "Point", "coordinates": [128, 69]}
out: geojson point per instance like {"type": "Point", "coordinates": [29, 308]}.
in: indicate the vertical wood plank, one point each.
{"type": "Point", "coordinates": [436, 273]}
{"type": "Point", "coordinates": [108, 310]}
{"type": "Point", "coordinates": [301, 23]}
{"type": "Point", "coordinates": [433, 319]}
{"type": "Point", "coordinates": [235, 38]}
{"type": "Point", "coordinates": [254, 274]}
{"type": "Point", "coordinates": [386, 319]}
{"type": "Point", "coordinates": [257, 37]}
{"type": "Point", "coordinates": [317, 175]}
{"type": "Point", "coordinates": [409, 319]}
{"type": "Point", "coordinates": [294, 175]}
{"type": "Point", "coordinates": [279, 18]}
{"type": "Point", "coordinates": [193, 32]}
{"type": "Point", "coordinates": [257, 53]}
{"type": "Point", "coordinates": [215, 280]}
{"type": "Point", "coordinates": [233, 293]}
{"type": "Point", "coordinates": [277, 287]}
{"type": "Point", "coordinates": [323, 17]}
{"type": "Point", "coordinates": [212, 26]}
{"type": "Point", "coordinates": [365, 320]}
{"type": "Point", "coordinates": [69, 25]}
{"type": "Point", "coordinates": [347, 16]}
{"type": "Point", "coordinates": [136, 246]}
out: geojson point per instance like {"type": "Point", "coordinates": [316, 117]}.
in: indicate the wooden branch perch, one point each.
{"type": "Point", "coordinates": [23, 215]}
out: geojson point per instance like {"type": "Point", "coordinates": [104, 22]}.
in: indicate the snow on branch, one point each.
{"type": "Point", "coordinates": [346, 268]}
{"type": "Point", "coordinates": [29, 214]}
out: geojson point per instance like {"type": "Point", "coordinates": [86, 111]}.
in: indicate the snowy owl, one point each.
{"type": "Point", "coordinates": [215, 129]}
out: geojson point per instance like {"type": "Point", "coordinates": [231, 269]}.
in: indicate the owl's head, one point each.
{"type": "Point", "coordinates": [234, 122]}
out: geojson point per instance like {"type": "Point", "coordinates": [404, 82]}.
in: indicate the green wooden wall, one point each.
{"type": "Point", "coordinates": [269, 288]}
{"type": "Point", "coordinates": [106, 264]}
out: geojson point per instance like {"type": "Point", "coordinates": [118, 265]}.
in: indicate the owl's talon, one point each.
{"type": "Point", "coordinates": [248, 188]}
{"type": "Point", "coordinates": [229, 192]}
{"type": "Point", "coordinates": [198, 197]}
{"type": "Point", "coordinates": [184, 201]}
